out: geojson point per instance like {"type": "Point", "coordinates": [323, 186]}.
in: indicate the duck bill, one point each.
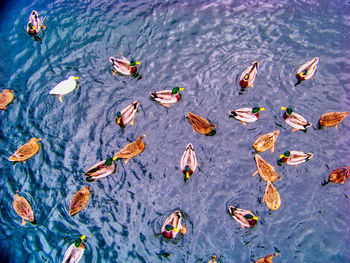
{"type": "Point", "coordinates": [181, 88]}
{"type": "Point", "coordinates": [118, 120]}
{"type": "Point", "coordinates": [137, 63]}
{"type": "Point", "coordinates": [187, 175]}
{"type": "Point", "coordinates": [283, 108]}
{"type": "Point", "coordinates": [256, 218]}
{"type": "Point", "coordinates": [262, 109]}
{"type": "Point", "coordinates": [281, 156]}
{"type": "Point", "coordinates": [76, 78]}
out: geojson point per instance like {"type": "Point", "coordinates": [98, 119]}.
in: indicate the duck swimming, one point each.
{"type": "Point", "coordinates": [332, 119]}
{"type": "Point", "coordinates": [266, 142]}
{"type": "Point", "coordinates": [166, 97]}
{"type": "Point", "coordinates": [272, 197]}
{"type": "Point", "coordinates": [246, 114]}
{"type": "Point", "coordinates": [200, 124]}
{"type": "Point", "coordinates": [244, 217]}
{"type": "Point", "coordinates": [265, 170]}
{"type": "Point", "coordinates": [307, 70]}
{"type": "Point", "coordinates": [294, 157]}
{"type": "Point", "coordinates": [213, 259]}
{"type": "Point", "coordinates": [100, 170]}
{"type": "Point", "coordinates": [127, 114]}
{"type": "Point", "coordinates": [25, 151]}
{"type": "Point", "coordinates": [65, 87]}
{"type": "Point", "coordinates": [35, 24]}
{"type": "Point", "coordinates": [79, 201]}
{"type": "Point", "coordinates": [295, 120]}
{"type": "Point", "coordinates": [248, 76]}
{"type": "Point", "coordinates": [339, 176]}
{"type": "Point", "coordinates": [172, 225]}
{"type": "Point", "coordinates": [188, 161]}
{"type": "Point", "coordinates": [267, 259]}
{"type": "Point", "coordinates": [131, 150]}
{"type": "Point", "coordinates": [75, 251]}
{"type": "Point", "coordinates": [23, 209]}
{"type": "Point", "coordinates": [6, 97]}
{"type": "Point", "coordinates": [123, 66]}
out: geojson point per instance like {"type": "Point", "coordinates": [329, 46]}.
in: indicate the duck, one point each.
{"type": "Point", "coordinates": [272, 197]}
{"type": "Point", "coordinates": [6, 97]}
{"type": "Point", "coordinates": [295, 157]}
{"type": "Point", "coordinates": [332, 119]}
{"type": "Point", "coordinates": [265, 170]}
{"type": "Point", "coordinates": [295, 120]}
{"type": "Point", "coordinates": [213, 259]}
{"type": "Point", "coordinates": [75, 251]}
{"type": "Point", "coordinates": [246, 114]}
{"type": "Point", "coordinates": [339, 176]}
{"type": "Point", "coordinates": [123, 66]}
{"type": "Point", "coordinates": [307, 70]}
{"type": "Point", "coordinates": [167, 97]}
{"type": "Point", "coordinates": [188, 161]}
{"type": "Point", "coordinates": [131, 150]}
{"type": "Point", "coordinates": [25, 151]}
{"type": "Point", "coordinates": [127, 114]}
{"type": "Point", "coordinates": [267, 259]}
{"type": "Point", "coordinates": [200, 124]}
{"type": "Point", "coordinates": [266, 142]}
{"type": "Point", "coordinates": [244, 217]}
{"type": "Point", "coordinates": [100, 170]}
{"type": "Point", "coordinates": [35, 24]}
{"type": "Point", "coordinates": [248, 76]}
{"type": "Point", "coordinates": [65, 87]}
{"type": "Point", "coordinates": [173, 225]}
{"type": "Point", "coordinates": [79, 200]}
{"type": "Point", "coordinates": [23, 209]}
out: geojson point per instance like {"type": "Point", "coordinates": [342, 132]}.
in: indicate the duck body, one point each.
{"type": "Point", "coordinates": [295, 120]}
{"type": "Point", "coordinates": [332, 118]}
{"type": "Point", "coordinates": [246, 114]}
{"type": "Point", "coordinates": [65, 87]}
{"type": "Point", "coordinates": [79, 201]}
{"type": "Point", "coordinates": [75, 252]}
{"type": "Point", "coordinates": [188, 162]}
{"type": "Point", "coordinates": [248, 76]}
{"type": "Point", "coordinates": [99, 170]}
{"type": "Point", "coordinates": [35, 24]}
{"type": "Point", "coordinates": [6, 97]}
{"type": "Point", "coordinates": [267, 259]}
{"type": "Point", "coordinates": [265, 170]}
{"type": "Point", "coordinates": [266, 142]}
{"type": "Point", "coordinates": [25, 151]}
{"type": "Point", "coordinates": [123, 66]}
{"type": "Point", "coordinates": [244, 217]}
{"type": "Point", "coordinates": [272, 197]}
{"type": "Point", "coordinates": [131, 150]}
{"type": "Point", "coordinates": [340, 175]}
{"type": "Point", "coordinates": [295, 157]}
{"type": "Point", "coordinates": [213, 259]}
{"type": "Point", "coordinates": [127, 114]}
{"type": "Point", "coordinates": [166, 97]}
{"type": "Point", "coordinates": [307, 70]}
{"type": "Point", "coordinates": [23, 209]}
{"type": "Point", "coordinates": [200, 124]}
{"type": "Point", "coordinates": [173, 225]}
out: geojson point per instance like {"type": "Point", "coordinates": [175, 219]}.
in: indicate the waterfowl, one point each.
{"type": "Point", "coordinates": [266, 142]}
{"type": "Point", "coordinates": [6, 97]}
{"type": "Point", "coordinates": [295, 120]}
{"type": "Point", "coordinates": [79, 201]}
{"type": "Point", "coordinates": [213, 259]}
{"type": "Point", "coordinates": [246, 114]}
{"type": "Point", "coordinates": [340, 175]}
{"type": "Point", "coordinates": [265, 170]}
{"type": "Point", "coordinates": [131, 150]}
{"type": "Point", "coordinates": [166, 97]}
{"type": "Point", "coordinates": [307, 70]}
{"type": "Point", "coordinates": [272, 197]}
{"type": "Point", "coordinates": [200, 124]}
{"type": "Point", "coordinates": [23, 209]}
{"type": "Point", "coordinates": [100, 170]}
{"type": "Point", "coordinates": [332, 119]}
{"type": "Point", "coordinates": [188, 161]}
{"type": "Point", "coordinates": [267, 259]}
{"type": "Point", "coordinates": [244, 217]}
{"type": "Point", "coordinates": [25, 151]}
{"type": "Point", "coordinates": [35, 24]}
{"type": "Point", "coordinates": [248, 76]}
{"type": "Point", "coordinates": [124, 66]}
{"type": "Point", "coordinates": [75, 251]}
{"type": "Point", "coordinates": [172, 225]}
{"type": "Point", "coordinates": [295, 157]}
{"type": "Point", "coordinates": [127, 114]}
{"type": "Point", "coordinates": [65, 87]}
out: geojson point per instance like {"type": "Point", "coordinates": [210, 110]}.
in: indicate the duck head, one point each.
{"type": "Point", "coordinates": [284, 157]}
{"type": "Point", "coordinates": [288, 112]}
{"type": "Point", "coordinates": [133, 63]}
{"type": "Point", "coordinates": [118, 118]}
{"type": "Point", "coordinates": [255, 110]}
{"type": "Point", "coordinates": [187, 172]}
{"type": "Point", "coordinates": [176, 90]}
{"type": "Point", "coordinates": [78, 241]}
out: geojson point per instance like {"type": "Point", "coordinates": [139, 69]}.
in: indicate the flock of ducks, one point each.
{"type": "Point", "coordinates": [173, 225]}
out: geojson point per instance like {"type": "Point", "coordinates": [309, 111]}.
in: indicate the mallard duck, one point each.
{"type": "Point", "coordinates": [246, 114]}
{"type": "Point", "coordinates": [131, 150]}
{"type": "Point", "coordinates": [65, 87]}
{"type": "Point", "coordinates": [265, 170]}
{"type": "Point", "coordinates": [124, 66]}
{"type": "Point", "coordinates": [332, 118]}
{"type": "Point", "coordinates": [172, 225]}
{"type": "Point", "coordinates": [244, 217]}
{"type": "Point", "coordinates": [248, 76]}
{"type": "Point", "coordinates": [166, 97]}
{"type": "Point", "coordinates": [213, 259]}
{"type": "Point", "coordinates": [75, 251]}
{"type": "Point", "coordinates": [295, 120]}
{"type": "Point", "coordinates": [295, 157]}
{"type": "Point", "coordinates": [272, 197]}
{"type": "Point", "coordinates": [339, 175]}
{"type": "Point", "coordinates": [200, 124]}
{"type": "Point", "coordinates": [267, 259]}
{"type": "Point", "coordinates": [25, 151]}
{"type": "Point", "coordinates": [6, 97]}
{"type": "Point", "coordinates": [23, 209]}
{"type": "Point", "coordinates": [266, 142]}
{"type": "Point", "coordinates": [35, 24]}
{"type": "Point", "coordinates": [100, 170]}
{"type": "Point", "coordinates": [79, 201]}
{"type": "Point", "coordinates": [127, 114]}
{"type": "Point", "coordinates": [188, 161]}
{"type": "Point", "coordinates": [307, 70]}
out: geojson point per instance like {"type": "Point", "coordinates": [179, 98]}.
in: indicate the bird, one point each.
{"type": "Point", "coordinates": [65, 87]}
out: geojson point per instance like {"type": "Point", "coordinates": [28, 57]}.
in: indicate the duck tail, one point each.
{"type": "Point", "coordinates": [233, 113]}
{"type": "Point", "coordinates": [154, 95]}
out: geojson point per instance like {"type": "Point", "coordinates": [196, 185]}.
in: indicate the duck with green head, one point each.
{"type": "Point", "coordinates": [295, 120]}
{"type": "Point", "coordinates": [307, 70]}
{"type": "Point", "coordinates": [100, 170]}
{"type": "Point", "coordinates": [123, 66]}
{"type": "Point", "coordinates": [248, 76]}
{"type": "Point", "coordinates": [188, 162]}
{"type": "Point", "coordinates": [294, 157]}
{"type": "Point", "coordinates": [35, 24]}
{"type": "Point", "coordinates": [246, 114]}
{"type": "Point", "coordinates": [244, 217]}
{"type": "Point", "coordinates": [166, 97]}
{"type": "Point", "coordinates": [173, 225]}
{"type": "Point", "coordinates": [75, 251]}
{"type": "Point", "coordinates": [127, 114]}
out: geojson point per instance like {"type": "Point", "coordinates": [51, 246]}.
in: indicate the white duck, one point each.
{"type": "Point", "coordinates": [65, 87]}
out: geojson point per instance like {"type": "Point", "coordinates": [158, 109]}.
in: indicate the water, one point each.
{"type": "Point", "coordinates": [202, 46]}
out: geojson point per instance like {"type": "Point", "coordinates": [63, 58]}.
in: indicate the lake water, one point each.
{"type": "Point", "coordinates": [202, 46]}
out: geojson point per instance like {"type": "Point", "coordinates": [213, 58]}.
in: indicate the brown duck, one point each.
{"type": "Point", "coordinates": [267, 259]}
{"type": "Point", "coordinates": [23, 209]}
{"type": "Point", "coordinates": [266, 142]}
{"type": "Point", "coordinates": [265, 170]}
{"type": "Point", "coordinates": [200, 124]}
{"type": "Point", "coordinates": [272, 197]}
{"type": "Point", "coordinates": [79, 200]}
{"type": "Point", "coordinates": [6, 97]}
{"type": "Point", "coordinates": [26, 151]}
{"type": "Point", "coordinates": [332, 119]}
{"type": "Point", "coordinates": [131, 150]}
{"type": "Point", "coordinates": [339, 175]}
